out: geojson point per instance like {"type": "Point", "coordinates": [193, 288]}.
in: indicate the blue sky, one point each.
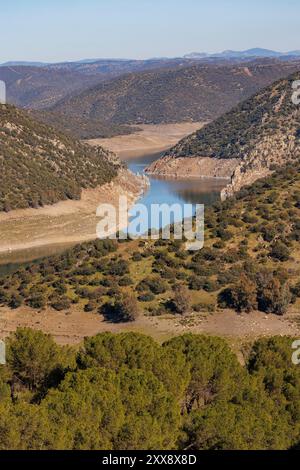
{"type": "Point", "coordinates": [73, 29]}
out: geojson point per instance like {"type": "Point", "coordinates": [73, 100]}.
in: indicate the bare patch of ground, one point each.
{"type": "Point", "coordinates": [153, 138]}
{"type": "Point", "coordinates": [71, 327]}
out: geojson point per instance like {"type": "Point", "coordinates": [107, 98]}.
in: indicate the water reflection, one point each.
{"type": "Point", "coordinates": [164, 190]}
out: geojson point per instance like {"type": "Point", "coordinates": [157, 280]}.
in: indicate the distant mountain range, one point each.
{"type": "Point", "coordinates": [227, 54]}
{"type": "Point", "coordinates": [255, 52]}
{"type": "Point", "coordinates": [101, 98]}
{"type": "Point", "coordinates": [41, 86]}
{"type": "Point", "coordinates": [25, 63]}
{"type": "Point", "coordinates": [103, 65]}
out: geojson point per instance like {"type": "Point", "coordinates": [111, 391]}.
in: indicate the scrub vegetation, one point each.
{"type": "Point", "coordinates": [249, 262]}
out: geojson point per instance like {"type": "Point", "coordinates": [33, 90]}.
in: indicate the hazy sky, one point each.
{"type": "Point", "coordinates": [55, 30]}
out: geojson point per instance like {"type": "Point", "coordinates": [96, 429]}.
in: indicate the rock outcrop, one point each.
{"type": "Point", "coordinates": [197, 167]}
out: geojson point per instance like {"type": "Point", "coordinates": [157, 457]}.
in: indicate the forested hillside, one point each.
{"type": "Point", "coordinates": [39, 86]}
{"type": "Point", "coordinates": [38, 165]}
{"type": "Point", "coordinates": [195, 93]}
{"type": "Point", "coordinates": [126, 392]}
{"type": "Point", "coordinates": [237, 133]}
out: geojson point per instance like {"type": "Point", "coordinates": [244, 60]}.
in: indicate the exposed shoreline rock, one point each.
{"type": "Point", "coordinates": [193, 167]}
{"type": "Point", "coordinates": [270, 152]}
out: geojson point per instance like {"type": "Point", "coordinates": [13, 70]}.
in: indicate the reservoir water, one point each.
{"type": "Point", "coordinates": [169, 191]}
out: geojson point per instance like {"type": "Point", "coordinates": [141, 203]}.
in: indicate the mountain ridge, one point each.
{"type": "Point", "coordinates": [252, 52]}
{"type": "Point", "coordinates": [260, 133]}
{"type": "Point", "coordinates": [195, 93]}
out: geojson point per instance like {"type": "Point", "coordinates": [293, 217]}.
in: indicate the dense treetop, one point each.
{"type": "Point", "coordinates": [126, 392]}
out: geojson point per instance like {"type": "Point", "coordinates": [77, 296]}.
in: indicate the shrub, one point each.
{"type": "Point", "coordinates": [241, 297]}
{"type": "Point", "coordinates": [280, 251]}
{"type": "Point", "coordinates": [125, 281]}
{"type": "Point", "coordinates": [15, 301]}
{"type": "Point", "coordinates": [154, 284]}
{"type": "Point", "coordinates": [273, 296]}
{"type": "Point", "coordinates": [146, 297]}
{"type": "Point", "coordinates": [91, 306]}
{"type": "Point", "coordinates": [60, 303]}
{"type": "Point", "coordinates": [181, 300]}
{"type": "Point", "coordinates": [127, 308]}
{"type": "Point", "coordinates": [137, 257]}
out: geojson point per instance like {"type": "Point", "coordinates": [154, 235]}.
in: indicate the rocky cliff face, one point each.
{"type": "Point", "coordinates": [269, 153]}
{"type": "Point", "coordinates": [197, 167]}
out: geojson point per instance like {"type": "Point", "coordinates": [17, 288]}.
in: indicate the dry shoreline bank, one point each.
{"type": "Point", "coordinates": [67, 222]}
{"type": "Point", "coordinates": [70, 222]}
{"type": "Point", "coordinates": [153, 138]}
{"type": "Point", "coordinates": [193, 167]}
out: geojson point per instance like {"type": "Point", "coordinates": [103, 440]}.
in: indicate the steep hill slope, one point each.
{"type": "Point", "coordinates": [39, 86]}
{"type": "Point", "coordinates": [40, 166]}
{"type": "Point", "coordinates": [261, 132]}
{"type": "Point", "coordinates": [197, 93]}
{"type": "Point", "coordinates": [82, 126]}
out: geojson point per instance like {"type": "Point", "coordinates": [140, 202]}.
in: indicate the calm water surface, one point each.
{"type": "Point", "coordinates": [170, 191]}
{"type": "Point", "coordinates": [176, 191]}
